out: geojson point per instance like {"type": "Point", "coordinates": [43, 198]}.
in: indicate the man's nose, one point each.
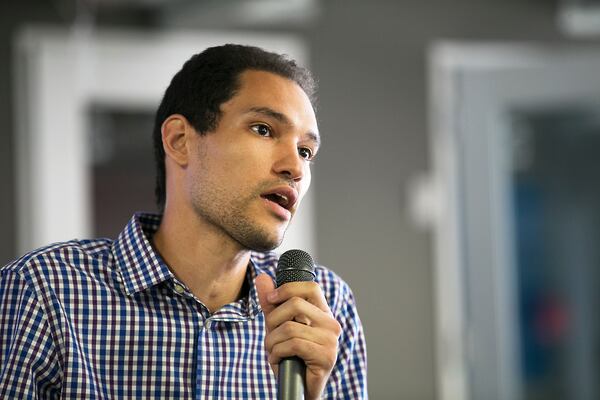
{"type": "Point", "coordinates": [288, 162]}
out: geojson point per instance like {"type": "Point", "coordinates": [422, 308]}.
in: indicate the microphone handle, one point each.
{"type": "Point", "coordinates": [292, 373]}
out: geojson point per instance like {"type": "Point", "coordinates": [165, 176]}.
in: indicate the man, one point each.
{"type": "Point", "coordinates": [183, 305]}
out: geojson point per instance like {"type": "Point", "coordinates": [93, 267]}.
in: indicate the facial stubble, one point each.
{"type": "Point", "coordinates": [234, 216]}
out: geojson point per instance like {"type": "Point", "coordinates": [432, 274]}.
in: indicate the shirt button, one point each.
{"type": "Point", "coordinates": [179, 289]}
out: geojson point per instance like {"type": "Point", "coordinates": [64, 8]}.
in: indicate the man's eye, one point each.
{"type": "Point", "coordinates": [305, 153]}
{"type": "Point", "coordinates": [261, 129]}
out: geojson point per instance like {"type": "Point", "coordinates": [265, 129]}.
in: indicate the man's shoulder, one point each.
{"type": "Point", "coordinates": [329, 279]}
{"type": "Point", "coordinates": [336, 290]}
{"type": "Point", "coordinates": [73, 254]}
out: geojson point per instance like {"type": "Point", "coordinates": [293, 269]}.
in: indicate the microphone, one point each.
{"type": "Point", "coordinates": [293, 266]}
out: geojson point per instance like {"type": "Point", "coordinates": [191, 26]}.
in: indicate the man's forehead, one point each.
{"type": "Point", "coordinates": [275, 96]}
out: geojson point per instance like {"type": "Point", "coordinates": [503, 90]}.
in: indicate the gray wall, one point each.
{"type": "Point", "coordinates": [370, 59]}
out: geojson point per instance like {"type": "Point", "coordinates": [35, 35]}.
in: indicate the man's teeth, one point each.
{"type": "Point", "coordinates": [283, 198]}
{"type": "Point", "coordinates": [280, 199]}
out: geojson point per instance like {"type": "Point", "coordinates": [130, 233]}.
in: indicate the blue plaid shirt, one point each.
{"type": "Point", "coordinates": [103, 319]}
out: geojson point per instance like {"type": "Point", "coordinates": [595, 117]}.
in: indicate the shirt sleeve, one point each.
{"type": "Point", "coordinates": [29, 367]}
{"type": "Point", "coordinates": [348, 379]}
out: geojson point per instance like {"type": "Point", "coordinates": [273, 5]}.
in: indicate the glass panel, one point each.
{"type": "Point", "coordinates": [557, 205]}
{"type": "Point", "coordinates": [123, 166]}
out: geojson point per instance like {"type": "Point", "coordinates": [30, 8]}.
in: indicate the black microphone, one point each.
{"type": "Point", "coordinates": [293, 266]}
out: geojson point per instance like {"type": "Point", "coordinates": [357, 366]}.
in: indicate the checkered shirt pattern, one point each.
{"type": "Point", "coordinates": [103, 319]}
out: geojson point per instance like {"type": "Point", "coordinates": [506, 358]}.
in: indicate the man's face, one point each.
{"type": "Point", "coordinates": [247, 177]}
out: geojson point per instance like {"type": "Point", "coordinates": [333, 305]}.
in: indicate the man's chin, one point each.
{"type": "Point", "coordinates": [263, 245]}
{"type": "Point", "coordinates": [261, 241]}
{"type": "Point", "coordinates": [258, 237]}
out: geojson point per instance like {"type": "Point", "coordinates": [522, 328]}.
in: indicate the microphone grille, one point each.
{"type": "Point", "coordinates": [295, 266]}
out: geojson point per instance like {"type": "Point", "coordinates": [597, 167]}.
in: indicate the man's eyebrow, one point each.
{"type": "Point", "coordinates": [313, 136]}
{"type": "Point", "coordinates": [271, 113]}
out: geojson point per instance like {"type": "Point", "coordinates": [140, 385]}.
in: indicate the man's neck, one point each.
{"type": "Point", "coordinates": [209, 263]}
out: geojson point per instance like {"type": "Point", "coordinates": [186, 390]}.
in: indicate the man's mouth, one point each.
{"type": "Point", "coordinates": [285, 197]}
{"type": "Point", "coordinates": [280, 199]}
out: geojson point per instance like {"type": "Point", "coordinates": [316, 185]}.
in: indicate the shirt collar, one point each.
{"type": "Point", "coordinates": [257, 266]}
{"type": "Point", "coordinates": [141, 267]}
{"type": "Point", "coordinates": [139, 264]}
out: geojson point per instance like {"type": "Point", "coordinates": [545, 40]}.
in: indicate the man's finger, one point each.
{"type": "Point", "coordinates": [299, 310]}
{"type": "Point", "coordinates": [292, 329]}
{"type": "Point", "coordinates": [310, 291]}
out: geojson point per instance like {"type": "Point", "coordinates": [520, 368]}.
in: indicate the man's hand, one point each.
{"type": "Point", "coordinates": [299, 323]}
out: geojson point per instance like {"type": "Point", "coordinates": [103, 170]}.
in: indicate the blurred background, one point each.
{"type": "Point", "coordinates": [456, 190]}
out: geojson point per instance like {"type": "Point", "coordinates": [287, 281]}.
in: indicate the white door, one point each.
{"type": "Point", "coordinates": [516, 150]}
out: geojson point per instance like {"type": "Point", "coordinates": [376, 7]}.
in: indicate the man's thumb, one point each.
{"type": "Point", "coordinates": [264, 286]}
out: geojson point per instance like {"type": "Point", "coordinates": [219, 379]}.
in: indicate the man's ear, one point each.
{"type": "Point", "coordinates": [175, 130]}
